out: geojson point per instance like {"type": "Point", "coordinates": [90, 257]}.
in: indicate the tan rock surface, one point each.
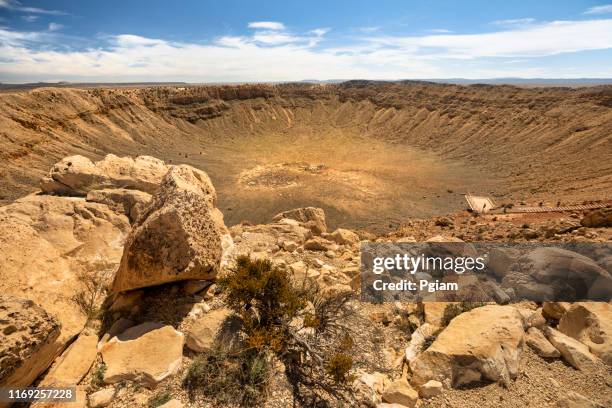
{"type": "Point", "coordinates": [542, 347]}
{"type": "Point", "coordinates": [591, 324]}
{"type": "Point", "coordinates": [400, 392]}
{"type": "Point", "coordinates": [179, 236]}
{"type": "Point", "coordinates": [202, 333]}
{"type": "Point", "coordinates": [70, 368]}
{"type": "Point", "coordinates": [482, 344]}
{"type": "Point", "coordinates": [146, 358]}
{"type": "Point", "coordinates": [573, 351]}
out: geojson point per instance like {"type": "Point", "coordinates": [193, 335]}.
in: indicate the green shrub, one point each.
{"type": "Point", "coordinates": [159, 399]}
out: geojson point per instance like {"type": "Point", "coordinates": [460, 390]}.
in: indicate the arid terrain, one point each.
{"type": "Point", "coordinates": [201, 246]}
{"type": "Point", "coordinates": [370, 154]}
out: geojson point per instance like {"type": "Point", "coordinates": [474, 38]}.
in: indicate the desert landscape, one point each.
{"type": "Point", "coordinates": [199, 246]}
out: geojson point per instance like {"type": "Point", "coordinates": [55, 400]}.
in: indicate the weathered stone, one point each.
{"type": "Point", "coordinates": [482, 344]}
{"type": "Point", "coordinates": [318, 244]}
{"type": "Point", "coordinates": [591, 324]}
{"type": "Point", "coordinates": [430, 389]}
{"type": "Point", "coordinates": [70, 368]}
{"type": "Point", "coordinates": [400, 392]}
{"type": "Point", "coordinates": [28, 341]}
{"type": "Point", "coordinates": [179, 236]}
{"type": "Point", "coordinates": [201, 335]}
{"type": "Point", "coordinates": [574, 352]}
{"type": "Point", "coordinates": [601, 218]}
{"type": "Point", "coordinates": [536, 340]}
{"type": "Point", "coordinates": [77, 175]}
{"type": "Point", "coordinates": [102, 398]}
{"type": "Point", "coordinates": [131, 203]}
{"type": "Point", "coordinates": [574, 400]}
{"type": "Point", "coordinates": [418, 340]}
{"type": "Point", "coordinates": [311, 217]}
{"type": "Point", "coordinates": [344, 237]}
{"type": "Point", "coordinates": [147, 354]}
{"type": "Point", "coordinates": [555, 310]}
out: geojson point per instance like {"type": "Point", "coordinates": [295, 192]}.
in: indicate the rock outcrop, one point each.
{"type": "Point", "coordinates": [179, 236]}
{"type": "Point", "coordinates": [482, 344]}
{"type": "Point", "coordinates": [146, 354]}
{"type": "Point", "coordinates": [311, 217]}
{"type": "Point", "coordinates": [77, 175]}
{"type": "Point", "coordinates": [28, 341]}
{"type": "Point", "coordinates": [573, 351]}
{"type": "Point", "coordinates": [591, 324]}
{"type": "Point", "coordinates": [131, 203]}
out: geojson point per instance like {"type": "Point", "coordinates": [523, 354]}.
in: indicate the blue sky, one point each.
{"type": "Point", "coordinates": [227, 41]}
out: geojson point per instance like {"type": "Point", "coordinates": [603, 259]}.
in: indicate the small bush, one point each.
{"type": "Point", "coordinates": [97, 376]}
{"type": "Point", "coordinates": [339, 366]}
{"type": "Point", "coordinates": [94, 280]}
{"type": "Point", "coordinates": [159, 399]}
{"type": "Point", "coordinates": [229, 379]}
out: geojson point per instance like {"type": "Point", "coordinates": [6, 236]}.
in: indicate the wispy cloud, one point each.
{"type": "Point", "coordinates": [368, 29]}
{"type": "Point", "coordinates": [30, 18]}
{"type": "Point", "coordinates": [607, 8]}
{"type": "Point", "coordinates": [279, 55]}
{"type": "Point", "coordinates": [439, 31]}
{"type": "Point", "coordinates": [17, 6]}
{"type": "Point", "coordinates": [55, 26]}
{"type": "Point", "coordinates": [514, 21]}
{"type": "Point", "coordinates": [267, 25]}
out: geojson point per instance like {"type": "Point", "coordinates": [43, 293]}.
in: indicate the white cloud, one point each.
{"type": "Point", "coordinates": [267, 25]}
{"type": "Point", "coordinates": [607, 8]}
{"type": "Point", "coordinates": [30, 18]}
{"type": "Point", "coordinates": [275, 55]}
{"type": "Point", "coordinates": [17, 6]}
{"type": "Point", "coordinates": [515, 21]}
{"type": "Point", "coordinates": [369, 29]}
{"type": "Point", "coordinates": [439, 31]}
{"type": "Point", "coordinates": [55, 26]}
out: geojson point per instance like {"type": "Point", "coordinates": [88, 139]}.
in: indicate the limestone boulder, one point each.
{"type": "Point", "coordinates": [344, 237]}
{"type": "Point", "coordinates": [430, 389]}
{"type": "Point", "coordinates": [591, 324]}
{"type": "Point", "coordinates": [146, 354]}
{"type": "Point", "coordinates": [102, 398]}
{"type": "Point", "coordinates": [77, 175]}
{"type": "Point", "coordinates": [542, 347]}
{"type": "Point", "coordinates": [573, 351]}
{"type": "Point", "coordinates": [180, 235]}
{"type": "Point", "coordinates": [131, 203]}
{"type": "Point", "coordinates": [74, 363]}
{"type": "Point", "coordinates": [555, 310]}
{"type": "Point", "coordinates": [482, 344]}
{"type": "Point", "coordinates": [202, 333]}
{"type": "Point", "coordinates": [28, 341]}
{"type": "Point", "coordinates": [400, 392]}
{"type": "Point", "coordinates": [311, 217]}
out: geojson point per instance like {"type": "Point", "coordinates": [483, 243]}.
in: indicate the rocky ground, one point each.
{"type": "Point", "coordinates": [108, 282]}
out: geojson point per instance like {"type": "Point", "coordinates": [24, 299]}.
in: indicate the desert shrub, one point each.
{"type": "Point", "coordinates": [230, 378]}
{"type": "Point", "coordinates": [97, 377]}
{"type": "Point", "coordinates": [159, 399]}
{"type": "Point", "coordinates": [94, 281]}
{"type": "Point", "coordinates": [298, 322]}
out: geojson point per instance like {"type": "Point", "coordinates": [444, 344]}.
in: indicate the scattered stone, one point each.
{"type": "Point", "coordinates": [400, 392]}
{"type": "Point", "coordinates": [318, 244]}
{"type": "Point", "coordinates": [201, 335]}
{"type": "Point", "coordinates": [74, 363]}
{"type": "Point", "coordinates": [536, 340]}
{"type": "Point", "coordinates": [102, 398]}
{"type": "Point", "coordinates": [146, 354]}
{"type": "Point", "coordinates": [574, 352]}
{"type": "Point", "coordinates": [178, 238]}
{"type": "Point", "coordinates": [344, 237]}
{"type": "Point", "coordinates": [311, 217]}
{"type": "Point", "coordinates": [482, 344]}
{"type": "Point", "coordinates": [601, 218]}
{"type": "Point", "coordinates": [430, 389]}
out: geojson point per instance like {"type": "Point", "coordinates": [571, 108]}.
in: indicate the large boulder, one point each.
{"type": "Point", "coordinates": [147, 354]}
{"type": "Point", "coordinates": [77, 175]}
{"type": "Point", "coordinates": [49, 246]}
{"type": "Point", "coordinates": [311, 217]}
{"type": "Point", "coordinates": [482, 344]}
{"type": "Point", "coordinates": [70, 368]}
{"type": "Point", "coordinates": [28, 341]}
{"type": "Point", "coordinates": [591, 324]}
{"type": "Point", "coordinates": [179, 236]}
{"type": "Point", "coordinates": [558, 274]}
{"type": "Point", "coordinates": [573, 351]}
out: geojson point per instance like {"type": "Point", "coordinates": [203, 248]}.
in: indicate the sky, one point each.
{"type": "Point", "coordinates": [247, 41]}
